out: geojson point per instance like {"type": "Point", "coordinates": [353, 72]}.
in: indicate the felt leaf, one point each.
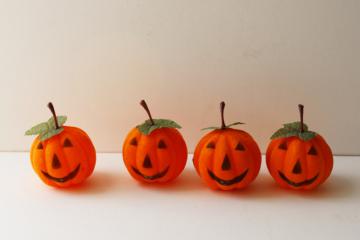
{"type": "Point", "coordinates": [38, 129]}
{"type": "Point", "coordinates": [306, 136]}
{"type": "Point", "coordinates": [166, 123]}
{"type": "Point", "coordinates": [50, 133]}
{"type": "Point", "coordinates": [144, 128]}
{"type": "Point", "coordinates": [294, 129]}
{"type": "Point", "coordinates": [234, 124]}
{"type": "Point", "coordinates": [152, 128]}
{"type": "Point", "coordinates": [210, 128]}
{"type": "Point", "coordinates": [295, 126]}
{"type": "Point", "coordinates": [284, 132]}
{"type": "Point", "coordinates": [217, 128]}
{"type": "Point", "coordinates": [147, 127]}
{"type": "Point", "coordinates": [61, 120]}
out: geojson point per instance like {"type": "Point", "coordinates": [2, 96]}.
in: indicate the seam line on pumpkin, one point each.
{"type": "Point", "coordinates": [214, 139]}
{"type": "Point", "coordinates": [232, 157]}
{"type": "Point", "coordinates": [63, 152]}
{"type": "Point", "coordinates": [138, 150]}
{"type": "Point", "coordinates": [79, 142]}
{"type": "Point", "coordinates": [320, 155]}
{"type": "Point", "coordinates": [174, 153]}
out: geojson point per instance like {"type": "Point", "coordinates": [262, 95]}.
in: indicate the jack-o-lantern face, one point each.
{"type": "Point", "coordinates": [299, 164]}
{"type": "Point", "coordinates": [157, 155]}
{"type": "Point", "coordinates": [62, 156]}
{"type": "Point", "coordinates": [298, 158]}
{"type": "Point", "coordinates": [65, 159]}
{"type": "Point", "coordinates": [227, 158]}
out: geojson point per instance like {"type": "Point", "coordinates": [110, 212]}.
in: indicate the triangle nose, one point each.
{"type": "Point", "coordinates": [55, 164]}
{"type": "Point", "coordinates": [226, 165]}
{"type": "Point", "coordinates": [147, 162]}
{"type": "Point", "coordinates": [297, 168]}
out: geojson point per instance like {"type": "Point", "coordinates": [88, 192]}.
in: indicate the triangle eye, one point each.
{"type": "Point", "coordinates": [67, 143]}
{"type": "Point", "coordinates": [312, 151]}
{"type": "Point", "coordinates": [40, 146]}
{"type": "Point", "coordinates": [211, 145]}
{"type": "Point", "coordinates": [162, 144]}
{"type": "Point", "coordinates": [283, 146]}
{"type": "Point", "coordinates": [240, 147]}
{"type": "Point", "coordinates": [133, 142]}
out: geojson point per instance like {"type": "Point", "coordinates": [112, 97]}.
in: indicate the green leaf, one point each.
{"type": "Point", "coordinates": [146, 128]}
{"type": "Point", "coordinates": [306, 136]}
{"type": "Point", "coordinates": [217, 128]}
{"type": "Point", "coordinates": [210, 128]}
{"type": "Point", "coordinates": [284, 132]}
{"type": "Point", "coordinates": [234, 124]}
{"type": "Point", "coordinates": [295, 126]}
{"type": "Point", "coordinates": [294, 129]}
{"type": "Point", "coordinates": [50, 133]}
{"type": "Point", "coordinates": [38, 129]}
{"type": "Point", "coordinates": [166, 123]}
{"type": "Point", "coordinates": [61, 120]}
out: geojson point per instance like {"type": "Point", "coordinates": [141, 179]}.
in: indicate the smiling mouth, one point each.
{"type": "Point", "coordinates": [228, 182]}
{"type": "Point", "coordinates": [63, 179]}
{"type": "Point", "coordinates": [297, 184]}
{"type": "Point", "coordinates": [153, 177]}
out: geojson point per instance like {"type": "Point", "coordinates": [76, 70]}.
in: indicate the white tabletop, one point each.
{"type": "Point", "coordinates": [111, 205]}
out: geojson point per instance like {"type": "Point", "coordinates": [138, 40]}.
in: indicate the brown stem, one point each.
{"type": "Point", "coordinates": [52, 109]}
{"type": "Point", "coordinates": [145, 106]}
{"type": "Point", "coordinates": [222, 107]}
{"type": "Point", "coordinates": [301, 110]}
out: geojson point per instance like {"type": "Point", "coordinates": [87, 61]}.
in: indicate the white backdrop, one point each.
{"type": "Point", "coordinates": [96, 59]}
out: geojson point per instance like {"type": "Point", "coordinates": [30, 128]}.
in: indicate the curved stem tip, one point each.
{"type": "Point", "coordinates": [52, 109]}
{"type": "Point", "coordinates": [222, 107]}
{"type": "Point", "coordinates": [145, 106]}
{"type": "Point", "coordinates": [301, 110]}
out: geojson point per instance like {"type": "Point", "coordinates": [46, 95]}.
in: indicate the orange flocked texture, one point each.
{"type": "Point", "coordinates": [227, 158]}
{"type": "Point", "coordinates": [62, 156]}
{"type": "Point", "coordinates": [298, 163]}
{"type": "Point", "coordinates": [58, 158]}
{"type": "Point", "coordinates": [158, 156]}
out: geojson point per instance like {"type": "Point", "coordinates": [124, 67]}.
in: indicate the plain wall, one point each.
{"type": "Point", "coordinates": [97, 59]}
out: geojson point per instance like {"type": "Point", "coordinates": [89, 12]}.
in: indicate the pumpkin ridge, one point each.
{"type": "Point", "coordinates": [160, 136]}
{"type": "Point", "coordinates": [321, 155]}
{"type": "Point", "coordinates": [203, 168]}
{"type": "Point", "coordinates": [175, 140]}
{"type": "Point", "coordinates": [75, 139]}
{"type": "Point", "coordinates": [231, 153]}
{"type": "Point", "coordinates": [138, 149]}
{"type": "Point", "coordinates": [198, 150]}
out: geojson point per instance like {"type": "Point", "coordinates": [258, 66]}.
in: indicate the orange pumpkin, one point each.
{"type": "Point", "coordinates": [62, 156]}
{"type": "Point", "coordinates": [227, 158]}
{"type": "Point", "coordinates": [155, 151]}
{"type": "Point", "coordinates": [298, 158]}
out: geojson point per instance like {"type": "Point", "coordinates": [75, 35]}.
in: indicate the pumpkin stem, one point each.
{"type": "Point", "coordinates": [145, 106]}
{"type": "Point", "coordinates": [301, 110]}
{"type": "Point", "coordinates": [52, 109]}
{"type": "Point", "coordinates": [222, 107]}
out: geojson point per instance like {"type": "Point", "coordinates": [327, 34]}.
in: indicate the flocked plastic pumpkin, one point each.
{"type": "Point", "coordinates": [62, 156]}
{"type": "Point", "coordinates": [298, 158]}
{"type": "Point", "coordinates": [227, 158]}
{"type": "Point", "coordinates": [155, 151]}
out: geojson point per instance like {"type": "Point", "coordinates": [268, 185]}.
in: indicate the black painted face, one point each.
{"type": "Point", "coordinates": [297, 184]}
{"type": "Point", "coordinates": [226, 166]}
{"type": "Point", "coordinates": [297, 169]}
{"type": "Point", "coordinates": [68, 177]}
{"type": "Point", "coordinates": [147, 163]}
{"type": "Point", "coordinates": [56, 164]}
